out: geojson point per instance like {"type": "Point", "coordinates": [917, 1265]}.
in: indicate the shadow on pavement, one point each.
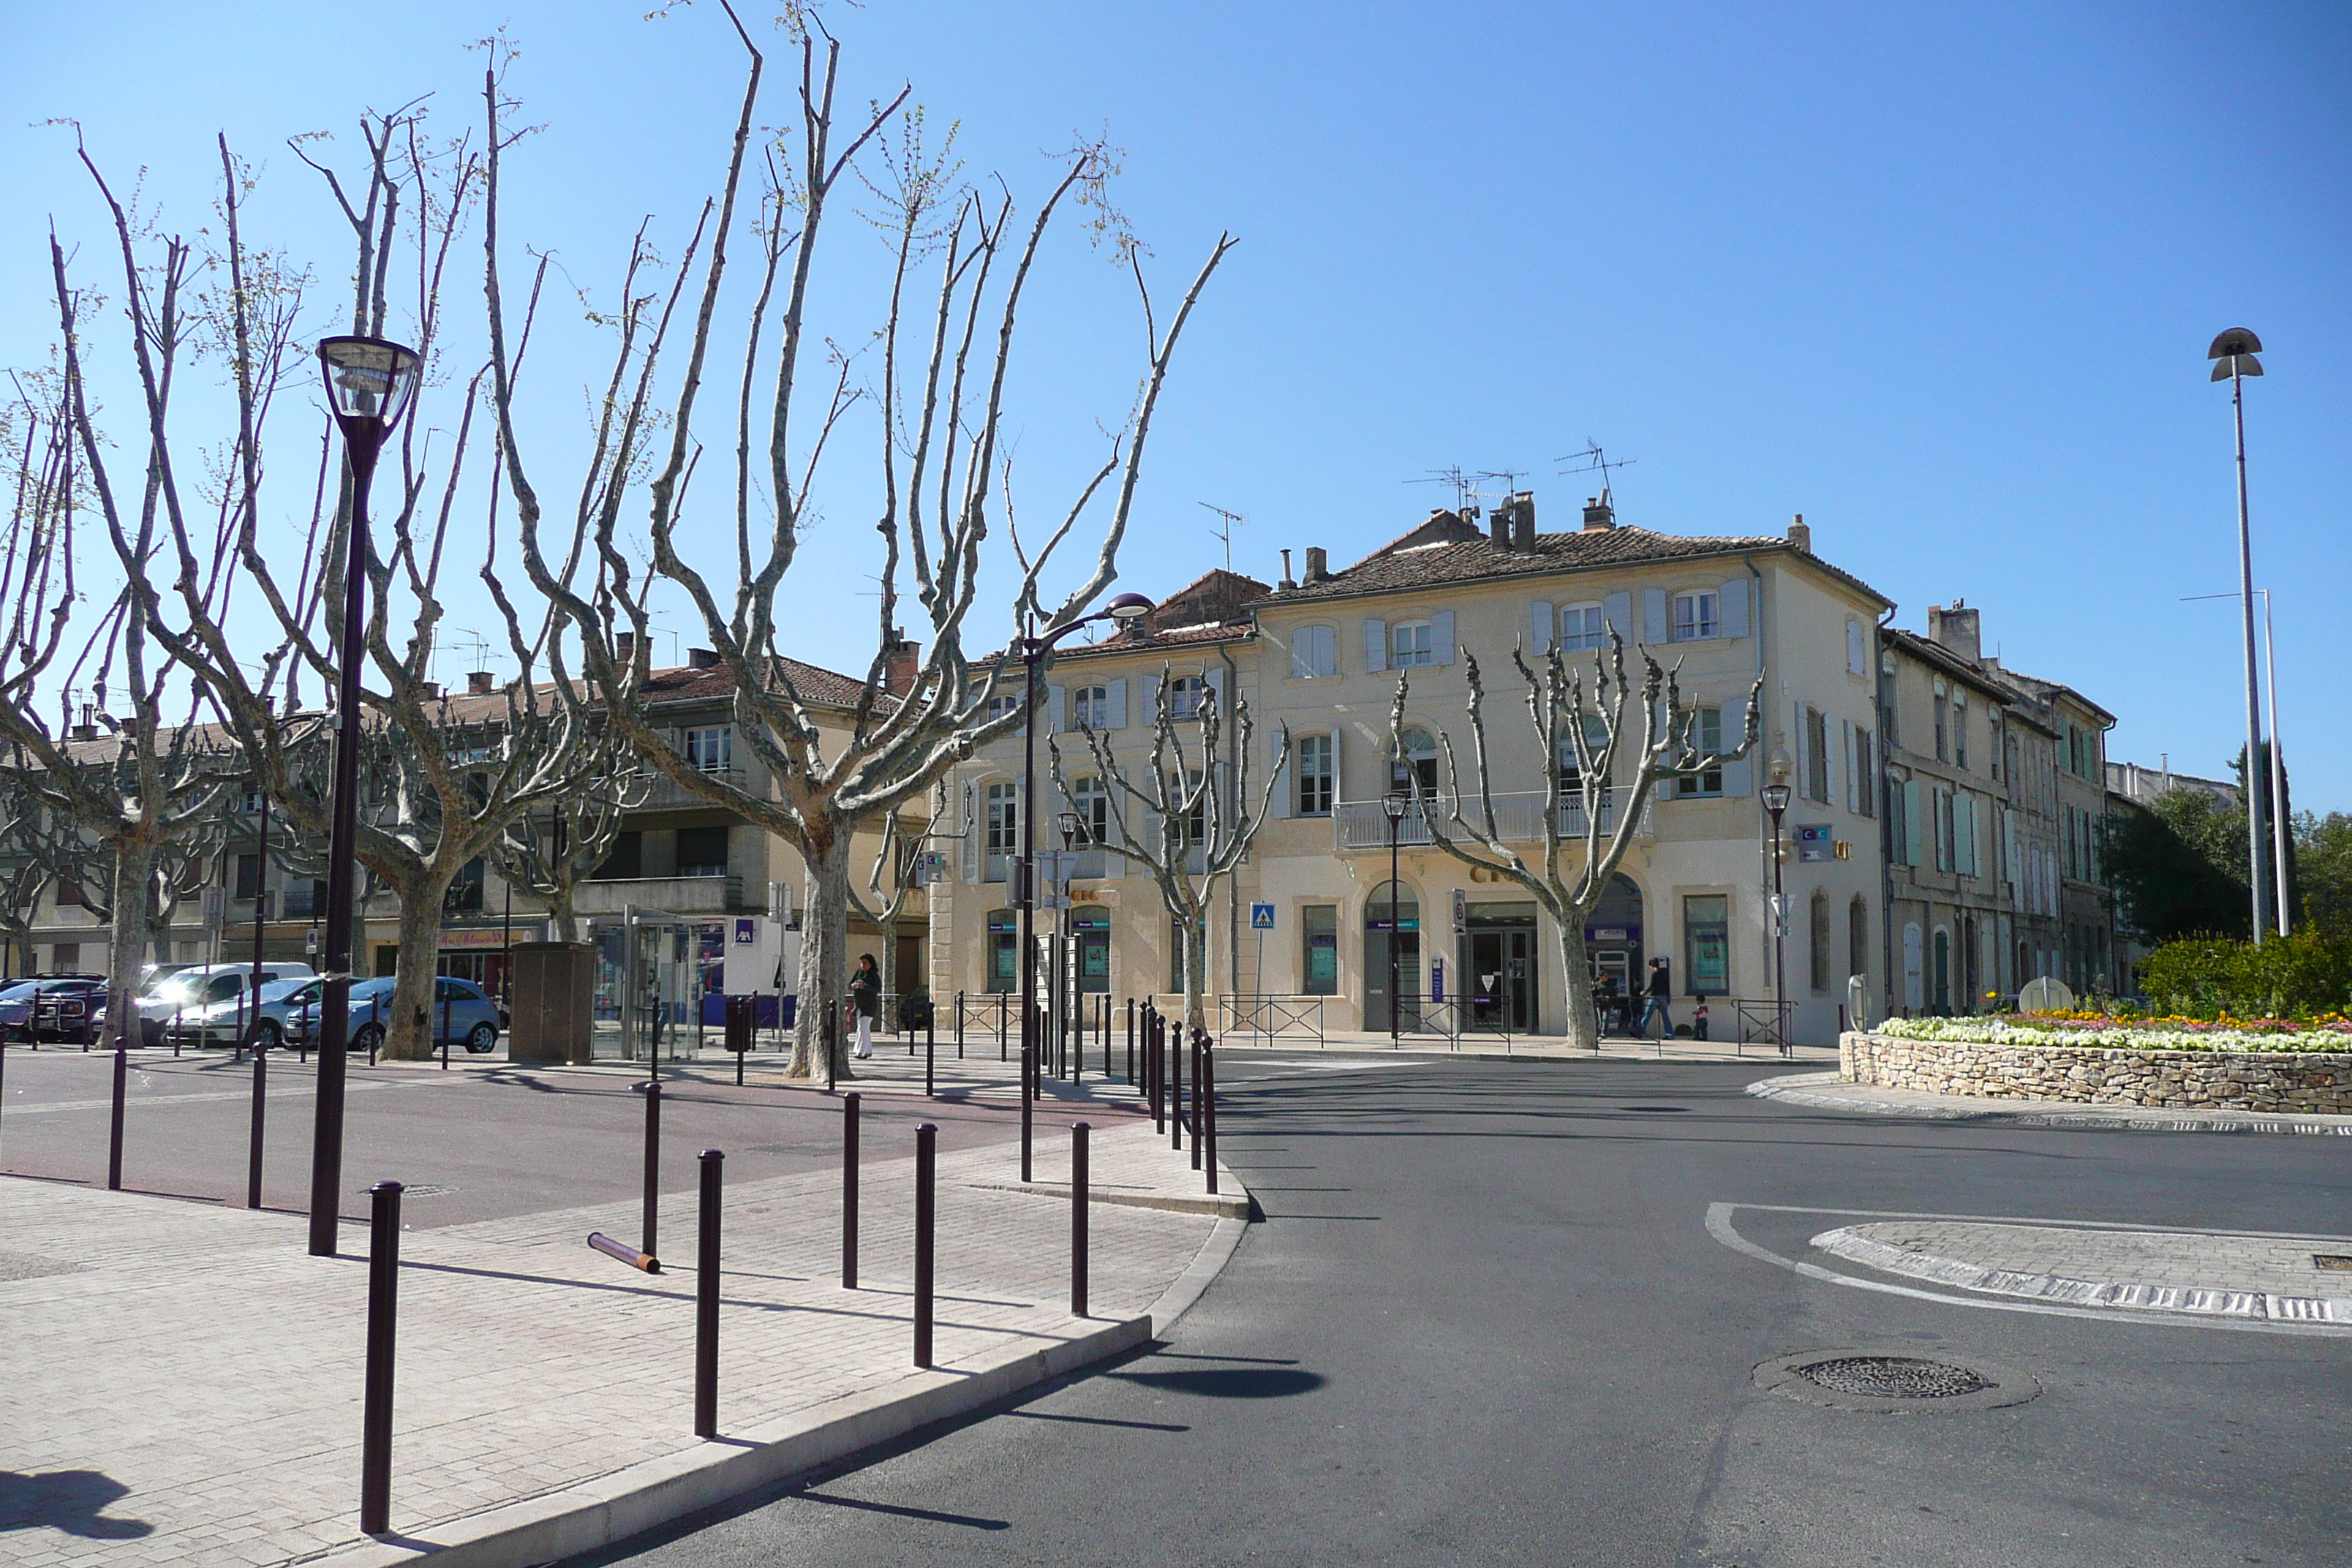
{"type": "Point", "coordinates": [1229, 1383]}
{"type": "Point", "coordinates": [70, 1500]}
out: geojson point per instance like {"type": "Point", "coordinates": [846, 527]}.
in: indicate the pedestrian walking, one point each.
{"type": "Point", "coordinates": [866, 1001]}
{"type": "Point", "coordinates": [1658, 1003]}
{"type": "Point", "coordinates": [1605, 1004]}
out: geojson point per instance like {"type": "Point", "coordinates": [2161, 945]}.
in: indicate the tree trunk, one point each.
{"type": "Point", "coordinates": [1576, 984]}
{"type": "Point", "coordinates": [565, 924]}
{"type": "Point", "coordinates": [134, 863]}
{"type": "Point", "coordinates": [408, 1021]}
{"type": "Point", "coordinates": [824, 957]}
{"type": "Point", "coordinates": [1196, 969]}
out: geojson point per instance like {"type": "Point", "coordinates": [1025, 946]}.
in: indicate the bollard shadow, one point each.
{"type": "Point", "coordinates": [69, 1500]}
{"type": "Point", "coordinates": [1229, 1383]}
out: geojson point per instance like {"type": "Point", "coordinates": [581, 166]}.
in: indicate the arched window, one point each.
{"type": "Point", "coordinates": [1090, 708]}
{"type": "Point", "coordinates": [1583, 628]}
{"type": "Point", "coordinates": [1416, 757]}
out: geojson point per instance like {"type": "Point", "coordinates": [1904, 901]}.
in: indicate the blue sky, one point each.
{"type": "Point", "coordinates": [1939, 278]}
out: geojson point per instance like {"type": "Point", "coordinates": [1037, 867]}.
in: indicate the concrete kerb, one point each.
{"type": "Point", "coordinates": [1830, 1091]}
{"type": "Point", "coordinates": [604, 1510]}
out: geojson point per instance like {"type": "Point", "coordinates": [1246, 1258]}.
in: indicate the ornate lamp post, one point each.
{"type": "Point", "coordinates": [1775, 797]}
{"type": "Point", "coordinates": [1126, 609]}
{"type": "Point", "coordinates": [2233, 354]}
{"type": "Point", "coordinates": [1066, 995]}
{"type": "Point", "coordinates": [370, 384]}
{"type": "Point", "coordinates": [1393, 807]}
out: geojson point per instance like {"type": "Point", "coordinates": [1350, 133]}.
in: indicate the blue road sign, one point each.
{"type": "Point", "coordinates": [1261, 917]}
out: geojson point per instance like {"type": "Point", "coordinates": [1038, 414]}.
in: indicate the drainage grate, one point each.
{"type": "Point", "coordinates": [1892, 1377]}
{"type": "Point", "coordinates": [2332, 1261]}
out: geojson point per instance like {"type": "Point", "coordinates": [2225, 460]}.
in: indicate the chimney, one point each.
{"type": "Point", "coordinates": [1798, 534]}
{"type": "Point", "coordinates": [431, 690]}
{"type": "Point", "coordinates": [1498, 526]}
{"type": "Point", "coordinates": [1286, 582]}
{"type": "Point", "coordinates": [701, 658]}
{"type": "Point", "coordinates": [624, 646]}
{"type": "Point", "coordinates": [478, 682]}
{"type": "Point", "coordinates": [1599, 517]}
{"type": "Point", "coordinates": [1318, 563]}
{"type": "Point", "coordinates": [1523, 521]}
{"type": "Point", "coordinates": [85, 731]}
{"type": "Point", "coordinates": [1957, 629]}
{"type": "Point", "coordinates": [900, 669]}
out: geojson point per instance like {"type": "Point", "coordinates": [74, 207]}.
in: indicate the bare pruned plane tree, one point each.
{"type": "Point", "coordinates": [940, 360]}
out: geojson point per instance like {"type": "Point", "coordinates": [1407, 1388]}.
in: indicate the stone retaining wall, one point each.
{"type": "Point", "coordinates": [2206, 1081]}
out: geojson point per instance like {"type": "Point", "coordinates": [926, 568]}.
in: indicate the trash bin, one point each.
{"type": "Point", "coordinates": [742, 1022]}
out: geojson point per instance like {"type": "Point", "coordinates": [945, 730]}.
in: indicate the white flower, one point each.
{"type": "Point", "coordinates": [2114, 1037]}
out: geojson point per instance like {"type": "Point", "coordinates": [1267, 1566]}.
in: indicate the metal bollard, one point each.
{"type": "Point", "coordinates": [705, 1303]}
{"type": "Point", "coordinates": [253, 1147]}
{"type": "Point", "coordinates": [1172, 1056]}
{"type": "Point", "coordinates": [1000, 1026]}
{"type": "Point", "coordinates": [648, 1231]}
{"type": "Point", "coordinates": [930, 1060]}
{"type": "Point", "coordinates": [849, 1190]}
{"type": "Point", "coordinates": [1208, 1138]}
{"type": "Point", "coordinates": [1152, 1074]}
{"type": "Point", "coordinates": [1025, 1110]}
{"type": "Point", "coordinates": [1195, 1048]}
{"type": "Point", "coordinates": [1078, 1220]}
{"type": "Point", "coordinates": [959, 1026]}
{"type": "Point", "coordinates": [114, 1137]}
{"type": "Point", "coordinates": [446, 997]}
{"type": "Point", "coordinates": [926, 1159]}
{"type": "Point", "coordinates": [1130, 1042]}
{"type": "Point", "coordinates": [178, 1022]}
{"type": "Point", "coordinates": [382, 1318]}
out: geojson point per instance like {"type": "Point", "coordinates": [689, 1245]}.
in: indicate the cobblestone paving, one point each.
{"type": "Point", "coordinates": [2146, 1270]}
{"type": "Point", "coordinates": [191, 1393]}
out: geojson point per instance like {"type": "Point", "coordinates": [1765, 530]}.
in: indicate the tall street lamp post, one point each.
{"type": "Point", "coordinates": [1066, 995]}
{"type": "Point", "coordinates": [1393, 807]}
{"type": "Point", "coordinates": [370, 383]}
{"type": "Point", "coordinates": [2233, 354]}
{"type": "Point", "coordinates": [1124, 609]}
{"type": "Point", "coordinates": [1776, 801]}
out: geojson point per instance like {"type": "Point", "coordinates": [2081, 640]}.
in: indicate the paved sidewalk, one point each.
{"type": "Point", "coordinates": [2199, 1272]}
{"type": "Point", "coordinates": [1828, 1091]}
{"type": "Point", "coordinates": [1538, 1048]}
{"type": "Point", "coordinates": [185, 1381]}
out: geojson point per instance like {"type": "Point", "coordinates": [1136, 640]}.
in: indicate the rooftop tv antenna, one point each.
{"type": "Point", "coordinates": [1593, 457]}
{"type": "Point", "coordinates": [1232, 519]}
{"type": "Point", "coordinates": [1465, 484]}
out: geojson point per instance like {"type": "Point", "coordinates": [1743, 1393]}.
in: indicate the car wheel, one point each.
{"type": "Point", "coordinates": [268, 1036]}
{"type": "Point", "coordinates": [482, 1039]}
{"type": "Point", "coordinates": [367, 1037]}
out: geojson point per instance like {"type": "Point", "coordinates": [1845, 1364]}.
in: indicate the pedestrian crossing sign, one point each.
{"type": "Point", "coordinates": [1261, 917]}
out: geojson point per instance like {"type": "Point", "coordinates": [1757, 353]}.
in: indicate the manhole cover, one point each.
{"type": "Point", "coordinates": [1885, 1380]}
{"type": "Point", "coordinates": [2332, 1261]}
{"type": "Point", "coordinates": [1891, 1377]}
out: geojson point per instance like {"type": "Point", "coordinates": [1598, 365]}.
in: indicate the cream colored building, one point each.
{"type": "Point", "coordinates": [1322, 655]}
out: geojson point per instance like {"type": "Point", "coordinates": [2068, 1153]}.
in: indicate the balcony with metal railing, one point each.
{"type": "Point", "coordinates": [673, 895]}
{"type": "Point", "coordinates": [666, 793]}
{"type": "Point", "coordinates": [1519, 819]}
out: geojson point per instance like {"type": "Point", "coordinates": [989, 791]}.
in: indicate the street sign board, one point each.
{"type": "Point", "coordinates": [1814, 841]}
{"type": "Point", "coordinates": [1261, 917]}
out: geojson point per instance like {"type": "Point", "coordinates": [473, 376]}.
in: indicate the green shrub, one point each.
{"type": "Point", "coordinates": [2306, 975]}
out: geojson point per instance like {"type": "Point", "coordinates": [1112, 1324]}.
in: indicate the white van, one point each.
{"type": "Point", "coordinates": [187, 992]}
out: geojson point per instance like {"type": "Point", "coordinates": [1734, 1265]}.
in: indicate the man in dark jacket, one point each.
{"type": "Point", "coordinates": [1654, 1005]}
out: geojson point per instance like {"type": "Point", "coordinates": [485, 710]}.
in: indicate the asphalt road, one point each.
{"type": "Point", "coordinates": [1485, 1321]}
{"type": "Point", "coordinates": [483, 1141]}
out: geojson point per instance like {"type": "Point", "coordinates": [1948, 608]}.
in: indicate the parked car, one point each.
{"type": "Point", "coordinates": [68, 1011]}
{"type": "Point", "coordinates": [27, 1007]}
{"type": "Point", "coordinates": [198, 986]}
{"type": "Point", "coordinates": [228, 1023]}
{"type": "Point", "coordinates": [470, 1017]}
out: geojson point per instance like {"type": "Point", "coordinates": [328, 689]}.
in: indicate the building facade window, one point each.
{"type": "Point", "coordinates": [702, 851]}
{"type": "Point", "coordinates": [1314, 653]}
{"type": "Point", "coordinates": [1960, 730]}
{"type": "Point", "coordinates": [1583, 628]}
{"type": "Point", "coordinates": [1943, 724]}
{"type": "Point", "coordinates": [249, 877]}
{"type": "Point", "coordinates": [712, 749]}
{"type": "Point", "coordinates": [1416, 759]}
{"type": "Point", "coordinates": [1319, 927]}
{"type": "Point", "coordinates": [1184, 697]}
{"type": "Point", "coordinates": [1699, 613]}
{"type": "Point", "coordinates": [1004, 703]}
{"type": "Point", "coordinates": [1889, 701]}
{"type": "Point", "coordinates": [1412, 645]}
{"type": "Point", "coordinates": [1091, 802]}
{"type": "Point", "coordinates": [1090, 707]}
{"type": "Point", "coordinates": [1817, 755]}
{"type": "Point", "coordinates": [1857, 942]}
{"type": "Point", "coordinates": [1706, 739]}
{"type": "Point", "coordinates": [1316, 778]}
{"type": "Point", "coordinates": [1002, 820]}
{"type": "Point", "coordinates": [1707, 943]}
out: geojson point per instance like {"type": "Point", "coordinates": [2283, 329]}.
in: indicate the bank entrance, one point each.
{"type": "Point", "coordinates": [1498, 967]}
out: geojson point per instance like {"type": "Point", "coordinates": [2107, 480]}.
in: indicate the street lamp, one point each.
{"type": "Point", "coordinates": [1065, 998]}
{"type": "Point", "coordinates": [2233, 353]}
{"type": "Point", "coordinates": [370, 384]}
{"type": "Point", "coordinates": [1125, 610]}
{"type": "Point", "coordinates": [1775, 797]}
{"type": "Point", "coordinates": [1393, 807]}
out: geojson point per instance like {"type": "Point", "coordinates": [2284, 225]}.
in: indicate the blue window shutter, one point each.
{"type": "Point", "coordinates": [1376, 646]}
{"type": "Point", "coordinates": [1440, 633]}
{"type": "Point", "coordinates": [1654, 615]}
{"type": "Point", "coordinates": [1734, 608]}
{"type": "Point", "coordinates": [1617, 609]}
{"type": "Point", "coordinates": [1053, 725]}
{"type": "Point", "coordinates": [1735, 728]}
{"type": "Point", "coordinates": [1540, 619]}
{"type": "Point", "coordinates": [1114, 699]}
{"type": "Point", "coordinates": [1149, 716]}
{"type": "Point", "coordinates": [1213, 678]}
{"type": "Point", "coordinates": [1282, 783]}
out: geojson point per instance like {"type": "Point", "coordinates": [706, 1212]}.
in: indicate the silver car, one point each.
{"type": "Point", "coordinates": [230, 1022]}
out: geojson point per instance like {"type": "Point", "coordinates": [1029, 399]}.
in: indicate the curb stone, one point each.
{"type": "Point", "coordinates": [1828, 1091]}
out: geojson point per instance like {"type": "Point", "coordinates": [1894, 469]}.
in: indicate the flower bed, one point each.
{"type": "Point", "coordinates": [2095, 1030]}
{"type": "Point", "coordinates": [2102, 1062]}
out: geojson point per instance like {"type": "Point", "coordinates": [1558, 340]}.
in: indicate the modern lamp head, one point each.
{"type": "Point", "coordinates": [1392, 806]}
{"type": "Point", "coordinates": [370, 382]}
{"type": "Point", "coordinates": [1068, 823]}
{"type": "Point", "coordinates": [2233, 353]}
{"type": "Point", "coordinates": [1775, 797]}
{"type": "Point", "coordinates": [1128, 608]}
